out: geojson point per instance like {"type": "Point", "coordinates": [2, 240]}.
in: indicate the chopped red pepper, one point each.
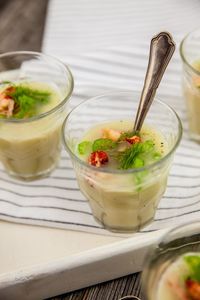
{"type": "Point", "coordinates": [134, 139]}
{"type": "Point", "coordinates": [193, 289]}
{"type": "Point", "coordinates": [98, 158]}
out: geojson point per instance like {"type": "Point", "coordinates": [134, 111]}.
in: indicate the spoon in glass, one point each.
{"type": "Point", "coordinates": [161, 50]}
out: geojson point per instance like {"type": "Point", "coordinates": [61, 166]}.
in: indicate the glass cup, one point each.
{"type": "Point", "coordinates": [116, 200]}
{"type": "Point", "coordinates": [177, 242]}
{"type": "Point", "coordinates": [190, 54]}
{"type": "Point", "coordinates": [30, 148]}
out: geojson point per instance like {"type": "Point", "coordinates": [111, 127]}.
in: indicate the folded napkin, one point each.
{"type": "Point", "coordinates": [106, 45]}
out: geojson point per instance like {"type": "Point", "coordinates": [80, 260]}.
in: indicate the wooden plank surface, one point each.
{"type": "Point", "coordinates": [21, 28]}
{"type": "Point", "coordinates": [112, 290]}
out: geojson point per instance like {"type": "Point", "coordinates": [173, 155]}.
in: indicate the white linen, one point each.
{"type": "Point", "coordinates": [106, 45]}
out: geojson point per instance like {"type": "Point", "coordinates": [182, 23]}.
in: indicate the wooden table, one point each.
{"type": "Point", "coordinates": [21, 28]}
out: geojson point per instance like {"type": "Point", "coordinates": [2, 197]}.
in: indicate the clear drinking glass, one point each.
{"type": "Point", "coordinates": [116, 201]}
{"type": "Point", "coordinates": [176, 243]}
{"type": "Point", "coordinates": [30, 148]}
{"type": "Point", "coordinates": [190, 54]}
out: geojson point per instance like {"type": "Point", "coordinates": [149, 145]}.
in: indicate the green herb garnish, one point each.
{"type": "Point", "coordinates": [147, 146]}
{"type": "Point", "coordinates": [193, 261]}
{"type": "Point", "coordinates": [84, 147]}
{"type": "Point", "coordinates": [138, 162]}
{"type": "Point", "coordinates": [103, 144]}
{"type": "Point", "coordinates": [126, 134]}
{"type": "Point", "coordinates": [5, 82]}
{"type": "Point", "coordinates": [128, 157]}
{"type": "Point", "coordinates": [27, 100]}
{"type": "Point", "coordinates": [138, 155]}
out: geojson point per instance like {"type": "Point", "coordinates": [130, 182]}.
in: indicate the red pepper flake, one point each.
{"type": "Point", "coordinates": [98, 158]}
{"type": "Point", "coordinates": [134, 139]}
{"type": "Point", "coordinates": [193, 289]}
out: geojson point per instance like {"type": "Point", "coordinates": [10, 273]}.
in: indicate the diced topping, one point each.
{"type": "Point", "coordinates": [133, 140]}
{"type": "Point", "coordinates": [103, 144]}
{"type": "Point", "coordinates": [84, 147]}
{"type": "Point", "coordinates": [193, 262]}
{"type": "Point", "coordinates": [6, 102]}
{"type": "Point", "coordinates": [112, 134]}
{"type": "Point", "coordinates": [125, 134]}
{"type": "Point", "coordinates": [136, 155]}
{"type": "Point", "coordinates": [9, 90]}
{"type": "Point", "coordinates": [125, 150]}
{"type": "Point", "coordinates": [193, 289]}
{"type": "Point", "coordinates": [6, 107]}
{"type": "Point", "coordinates": [98, 158]}
{"type": "Point", "coordinates": [192, 283]}
{"type": "Point", "coordinates": [20, 101]}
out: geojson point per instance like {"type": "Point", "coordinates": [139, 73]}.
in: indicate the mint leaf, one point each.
{"type": "Point", "coordinates": [84, 147]}
{"type": "Point", "coordinates": [103, 144]}
{"type": "Point", "coordinates": [193, 261]}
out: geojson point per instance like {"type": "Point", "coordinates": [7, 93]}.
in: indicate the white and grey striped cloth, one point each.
{"type": "Point", "coordinates": [106, 45]}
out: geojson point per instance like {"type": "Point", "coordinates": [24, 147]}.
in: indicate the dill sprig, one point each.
{"type": "Point", "coordinates": [138, 155]}
{"type": "Point", "coordinates": [127, 158]}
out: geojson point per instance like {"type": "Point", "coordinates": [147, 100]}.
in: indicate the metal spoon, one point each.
{"type": "Point", "coordinates": [161, 50]}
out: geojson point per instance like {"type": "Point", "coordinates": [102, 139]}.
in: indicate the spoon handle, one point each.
{"type": "Point", "coordinates": [161, 50]}
{"type": "Point", "coordinates": [130, 298]}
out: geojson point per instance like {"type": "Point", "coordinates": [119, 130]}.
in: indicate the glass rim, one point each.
{"type": "Point", "coordinates": [60, 104]}
{"type": "Point", "coordinates": [129, 171]}
{"type": "Point", "coordinates": [185, 226]}
{"type": "Point", "coordinates": [181, 50]}
{"type": "Point", "coordinates": [163, 242]}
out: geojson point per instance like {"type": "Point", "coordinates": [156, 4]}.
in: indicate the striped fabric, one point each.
{"type": "Point", "coordinates": [106, 45]}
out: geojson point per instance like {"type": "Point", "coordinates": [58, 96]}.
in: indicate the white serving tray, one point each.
{"type": "Point", "coordinates": [39, 262]}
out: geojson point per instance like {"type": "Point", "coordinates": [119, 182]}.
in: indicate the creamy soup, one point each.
{"type": "Point", "coordinates": [29, 149]}
{"type": "Point", "coordinates": [181, 281]}
{"type": "Point", "coordinates": [123, 192]}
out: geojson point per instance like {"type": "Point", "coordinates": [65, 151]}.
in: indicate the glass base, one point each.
{"type": "Point", "coordinates": [31, 177]}
{"type": "Point", "coordinates": [117, 229]}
